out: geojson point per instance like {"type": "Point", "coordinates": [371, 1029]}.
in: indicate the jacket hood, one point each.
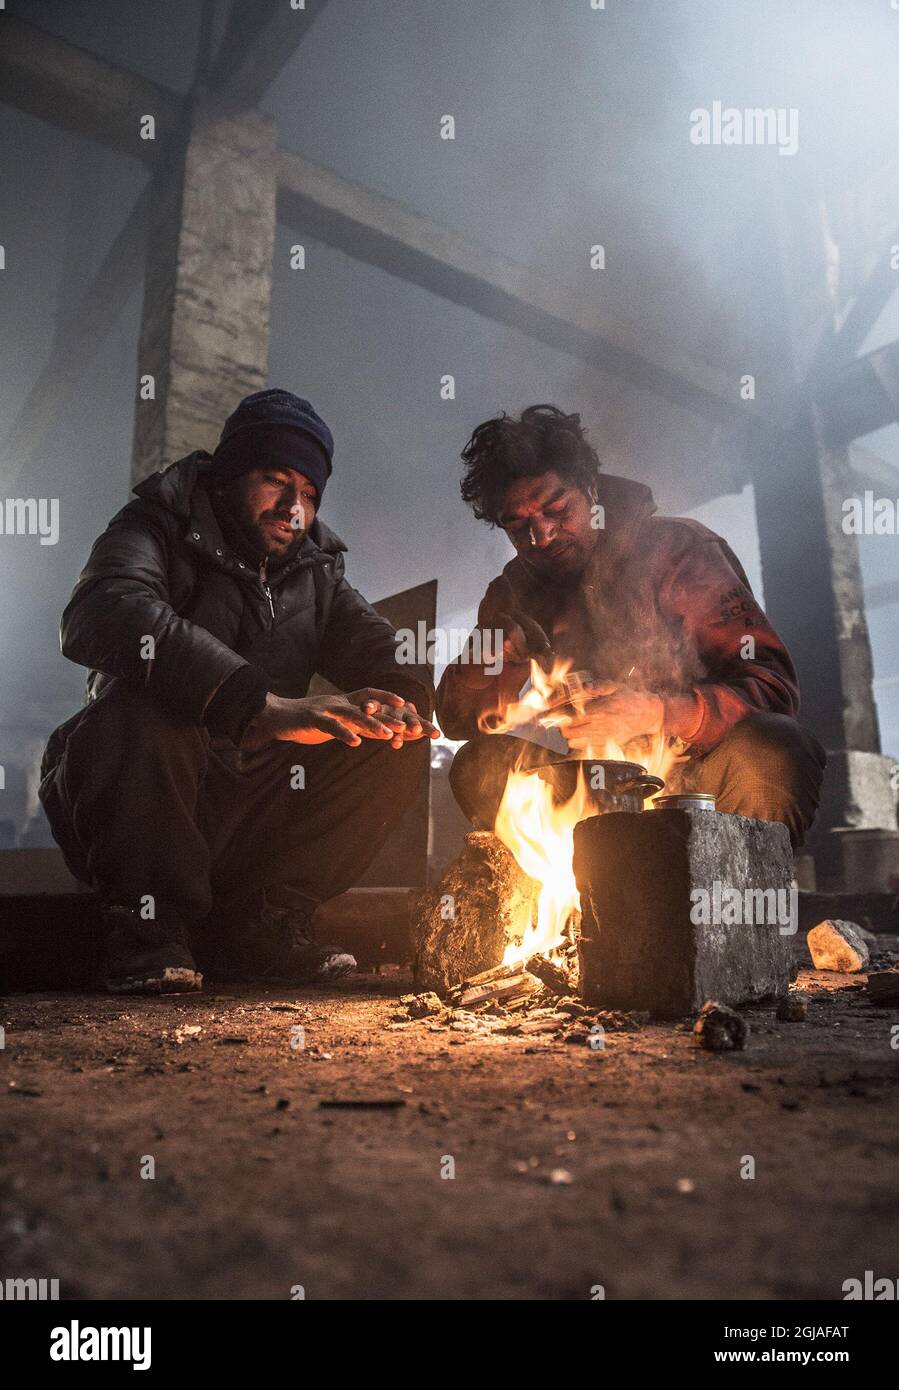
{"type": "Point", "coordinates": [175, 488]}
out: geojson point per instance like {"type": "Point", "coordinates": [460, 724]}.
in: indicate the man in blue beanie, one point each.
{"type": "Point", "coordinates": [201, 792]}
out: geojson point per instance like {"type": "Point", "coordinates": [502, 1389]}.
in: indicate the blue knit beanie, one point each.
{"type": "Point", "coordinates": [275, 428]}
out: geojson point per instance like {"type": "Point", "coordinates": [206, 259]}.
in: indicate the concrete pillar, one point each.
{"type": "Point", "coordinates": [812, 577]}
{"type": "Point", "coordinates": [207, 290]}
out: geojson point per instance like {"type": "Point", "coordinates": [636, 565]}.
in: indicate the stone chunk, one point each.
{"type": "Point", "coordinates": [421, 1005]}
{"type": "Point", "coordinates": [679, 907]}
{"type": "Point", "coordinates": [720, 1029]}
{"type": "Point", "coordinates": [837, 945]}
{"type": "Point", "coordinates": [482, 904]}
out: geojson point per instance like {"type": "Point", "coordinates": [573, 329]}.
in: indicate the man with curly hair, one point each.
{"type": "Point", "coordinates": [658, 609]}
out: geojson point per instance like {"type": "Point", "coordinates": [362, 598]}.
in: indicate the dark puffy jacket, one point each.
{"type": "Point", "coordinates": [163, 569]}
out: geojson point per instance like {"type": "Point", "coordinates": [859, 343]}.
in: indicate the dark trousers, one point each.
{"type": "Point", "coordinates": [767, 766]}
{"type": "Point", "coordinates": [143, 805]}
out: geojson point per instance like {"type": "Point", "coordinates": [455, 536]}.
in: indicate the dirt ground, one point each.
{"type": "Point", "coordinates": [573, 1168]}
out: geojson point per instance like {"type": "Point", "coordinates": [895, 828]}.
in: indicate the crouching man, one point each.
{"type": "Point", "coordinates": [658, 609]}
{"type": "Point", "coordinates": [209, 801]}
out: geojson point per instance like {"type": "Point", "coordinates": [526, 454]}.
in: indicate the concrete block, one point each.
{"type": "Point", "coordinates": [35, 871]}
{"type": "Point", "coordinates": [679, 907]}
{"type": "Point", "coordinates": [854, 838]}
{"type": "Point", "coordinates": [860, 861]}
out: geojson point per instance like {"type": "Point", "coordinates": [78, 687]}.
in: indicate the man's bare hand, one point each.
{"type": "Point", "coordinates": [618, 714]}
{"type": "Point", "coordinates": [398, 715]}
{"type": "Point", "coordinates": [368, 713]}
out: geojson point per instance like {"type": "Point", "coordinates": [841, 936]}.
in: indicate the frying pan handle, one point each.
{"type": "Point", "coordinates": [645, 785]}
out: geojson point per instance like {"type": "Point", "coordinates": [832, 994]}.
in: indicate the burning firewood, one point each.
{"type": "Point", "coordinates": [517, 983]}
{"type": "Point", "coordinates": [557, 975]}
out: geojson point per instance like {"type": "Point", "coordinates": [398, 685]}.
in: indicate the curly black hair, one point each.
{"type": "Point", "coordinates": [503, 448]}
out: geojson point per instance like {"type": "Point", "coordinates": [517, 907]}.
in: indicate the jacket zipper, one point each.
{"type": "Point", "coordinates": [266, 590]}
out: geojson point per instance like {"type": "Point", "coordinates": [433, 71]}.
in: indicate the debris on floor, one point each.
{"type": "Point", "coordinates": [793, 1009]}
{"type": "Point", "coordinates": [720, 1029]}
{"type": "Point", "coordinates": [509, 1001]}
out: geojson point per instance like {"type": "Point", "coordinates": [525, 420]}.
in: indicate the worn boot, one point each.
{"type": "Point", "coordinates": [273, 939]}
{"type": "Point", "coordinates": [147, 957]}
{"type": "Point", "coordinates": [296, 957]}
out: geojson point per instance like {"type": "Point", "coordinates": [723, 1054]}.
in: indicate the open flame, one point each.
{"type": "Point", "coordinates": [540, 833]}
{"type": "Point", "coordinates": [541, 837]}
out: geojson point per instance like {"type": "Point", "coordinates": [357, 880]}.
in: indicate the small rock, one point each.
{"type": "Point", "coordinates": [560, 1177]}
{"type": "Point", "coordinates": [839, 946]}
{"type": "Point", "coordinates": [793, 1009]}
{"type": "Point", "coordinates": [185, 1031]}
{"type": "Point", "coordinates": [422, 1005]}
{"type": "Point", "coordinates": [720, 1029]}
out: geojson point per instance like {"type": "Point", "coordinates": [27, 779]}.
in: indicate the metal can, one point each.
{"type": "Point", "coordinates": [685, 801]}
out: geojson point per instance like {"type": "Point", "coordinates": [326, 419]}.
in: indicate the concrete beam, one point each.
{"type": "Point", "coordinates": [863, 396]}
{"type": "Point", "coordinates": [863, 313]}
{"type": "Point", "coordinates": [385, 233]}
{"type": "Point", "coordinates": [58, 82]}
{"type": "Point", "coordinates": [261, 38]}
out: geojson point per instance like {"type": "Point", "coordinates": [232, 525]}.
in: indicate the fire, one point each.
{"type": "Point", "coordinates": [539, 833]}
{"type": "Point", "coordinates": [541, 837]}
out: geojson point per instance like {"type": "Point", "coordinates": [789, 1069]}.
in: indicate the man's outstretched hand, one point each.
{"type": "Point", "coordinates": [368, 713]}
{"type": "Point", "coordinates": [613, 713]}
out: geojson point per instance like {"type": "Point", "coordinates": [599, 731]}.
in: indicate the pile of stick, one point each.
{"type": "Point", "coordinates": [502, 984]}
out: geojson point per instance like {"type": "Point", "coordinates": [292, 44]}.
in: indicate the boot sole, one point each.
{"type": "Point", "coordinates": [172, 980]}
{"type": "Point", "coordinates": [343, 965]}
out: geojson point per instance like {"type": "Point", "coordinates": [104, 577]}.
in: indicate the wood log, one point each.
{"type": "Point", "coordinates": [501, 989]}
